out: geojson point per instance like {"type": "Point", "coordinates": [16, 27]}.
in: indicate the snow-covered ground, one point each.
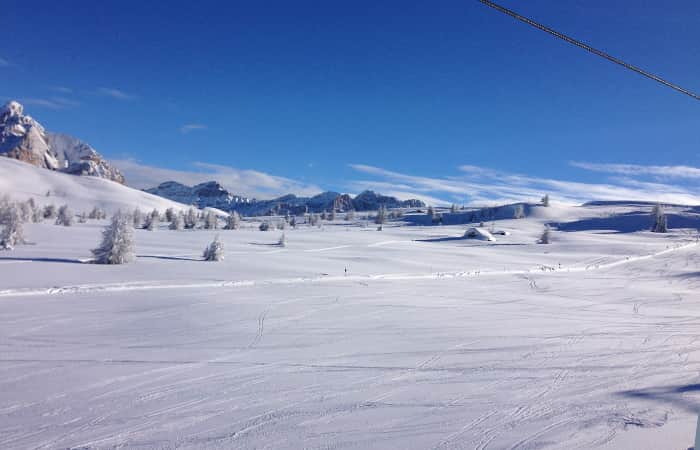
{"type": "Point", "coordinates": [428, 341]}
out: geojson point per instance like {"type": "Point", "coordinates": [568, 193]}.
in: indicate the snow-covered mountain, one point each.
{"type": "Point", "coordinates": [25, 139]}
{"type": "Point", "coordinates": [214, 195]}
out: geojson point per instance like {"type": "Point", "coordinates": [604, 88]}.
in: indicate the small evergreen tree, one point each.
{"type": "Point", "coordinates": [546, 237]}
{"type": "Point", "coordinates": [293, 221]}
{"type": "Point", "coordinates": [211, 222]}
{"type": "Point", "coordinates": [214, 251]}
{"type": "Point", "coordinates": [12, 230]}
{"type": "Point", "coordinates": [82, 217]}
{"type": "Point", "coordinates": [381, 215]}
{"type": "Point", "coordinates": [190, 219]}
{"type": "Point", "coordinates": [545, 200]}
{"type": "Point", "coordinates": [169, 214]}
{"type": "Point", "coordinates": [137, 218]}
{"type": "Point", "coordinates": [332, 215]}
{"type": "Point", "coordinates": [117, 245]}
{"type": "Point", "coordinates": [65, 216]}
{"type": "Point", "coordinates": [431, 212]}
{"type": "Point", "coordinates": [660, 221]}
{"type": "Point", "coordinates": [233, 221]}
{"type": "Point", "coordinates": [50, 212]}
{"type": "Point", "coordinates": [282, 241]}
{"type": "Point", "coordinates": [178, 222]}
{"type": "Point", "coordinates": [350, 215]}
{"type": "Point", "coordinates": [518, 212]}
{"type": "Point", "coordinates": [152, 221]}
{"type": "Point", "coordinates": [264, 226]}
{"type": "Point", "coordinates": [453, 208]}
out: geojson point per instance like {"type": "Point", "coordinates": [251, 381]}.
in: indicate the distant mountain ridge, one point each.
{"type": "Point", "coordinates": [212, 194]}
{"type": "Point", "coordinates": [25, 139]}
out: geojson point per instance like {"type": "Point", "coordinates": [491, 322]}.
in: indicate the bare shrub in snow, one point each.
{"type": "Point", "coordinates": [546, 237]}
{"type": "Point", "coordinates": [65, 216]}
{"type": "Point", "coordinates": [660, 222]}
{"type": "Point", "coordinates": [233, 221]}
{"type": "Point", "coordinates": [12, 230]}
{"type": "Point", "coordinates": [214, 251]}
{"type": "Point", "coordinates": [117, 245]}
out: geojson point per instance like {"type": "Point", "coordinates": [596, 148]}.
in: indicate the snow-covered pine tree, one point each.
{"type": "Point", "coordinates": [65, 216]}
{"type": "Point", "coordinates": [137, 218]}
{"type": "Point", "coordinates": [117, 245]}
{"type": "Point", "coordinates": [545, 200]}
{"type": "Point", "coordinates": [190, 219]}
{"type": "Point", "coordinates": [12, 230]}
{"type": "Point", "coordinates": [211, 222]}
{"type": "Point", "coordinates": [82, 217]}
{"type": "Point", "coordinates": [25, 211]}
{"type": "Point", "coordinates": [264, 226]}
{"type": "Point", "coordinates": [293, 221]}
{"type": "Point", "coordinates": [233, 221]}
{"type": "Point", "coordinates": [169, 214]}
{"type": "Point", "coordinates": [546, 237]}
{"type": "Point", "coordinates": [178, 222]}
{"type": "Point", "coordinates": [660, 221]}
{"type": "Point", "coordinates": [518, 212]}
{"type": "Point", "coordinates": [50, 212]}
{"type": "Point", "coordinates": [381, 215]}
{"type": "Point", "coordinates": [453, 208]}
{"type": "Point", "coordinates": [214, 251]}
{"type": "Point", "coordinates": [332, 215]}
{"type": "Point", "coordinates": [350, 215]}
{"type": "Point", "coordinates": [152, 220]}
{"type": "Point", "coordinates": [431, 212]}
{"type": "Point", "coordinates": [282, 241]}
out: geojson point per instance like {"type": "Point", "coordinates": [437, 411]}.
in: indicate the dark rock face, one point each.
{"type": "Point", "coordinates": [23, 138]}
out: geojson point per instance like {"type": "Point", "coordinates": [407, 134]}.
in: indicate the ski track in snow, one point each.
{"type": "Point", "coordinates": [155, 285]}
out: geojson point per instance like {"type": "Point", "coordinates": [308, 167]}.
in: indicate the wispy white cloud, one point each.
{"type": "Point", "coordinates": [637, 170]}
{"type": "Point", "coordinates": [250, 183]}
{"type": "Point", "coordinates": [115, 93]}
{"type": "Point", "coordinates": [189, 127]}
{"type": "Point", "coordinates": [50, 102]}
{"type": "Point", "coordinates": [480, 186]}
{"type": "Point", "coordinates": [62, 89]}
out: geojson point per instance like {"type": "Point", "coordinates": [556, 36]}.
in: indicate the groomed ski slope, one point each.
{"type": "Point", "coordinates": [429, 341]}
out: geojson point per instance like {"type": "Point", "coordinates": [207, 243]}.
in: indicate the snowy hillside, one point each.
{"type": "Point", "coordinates": [413, 337]}
{"type": "Point", "coordinates": [21, 181]}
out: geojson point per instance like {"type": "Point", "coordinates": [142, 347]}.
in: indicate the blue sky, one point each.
{"type": "Point", "coordinates": [303, 96]}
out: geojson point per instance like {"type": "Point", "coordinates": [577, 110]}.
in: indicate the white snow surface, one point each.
{"type": "Point", "coordinates": [23, 181]}
{"type": "Point", "coordinates": [429, 340]}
